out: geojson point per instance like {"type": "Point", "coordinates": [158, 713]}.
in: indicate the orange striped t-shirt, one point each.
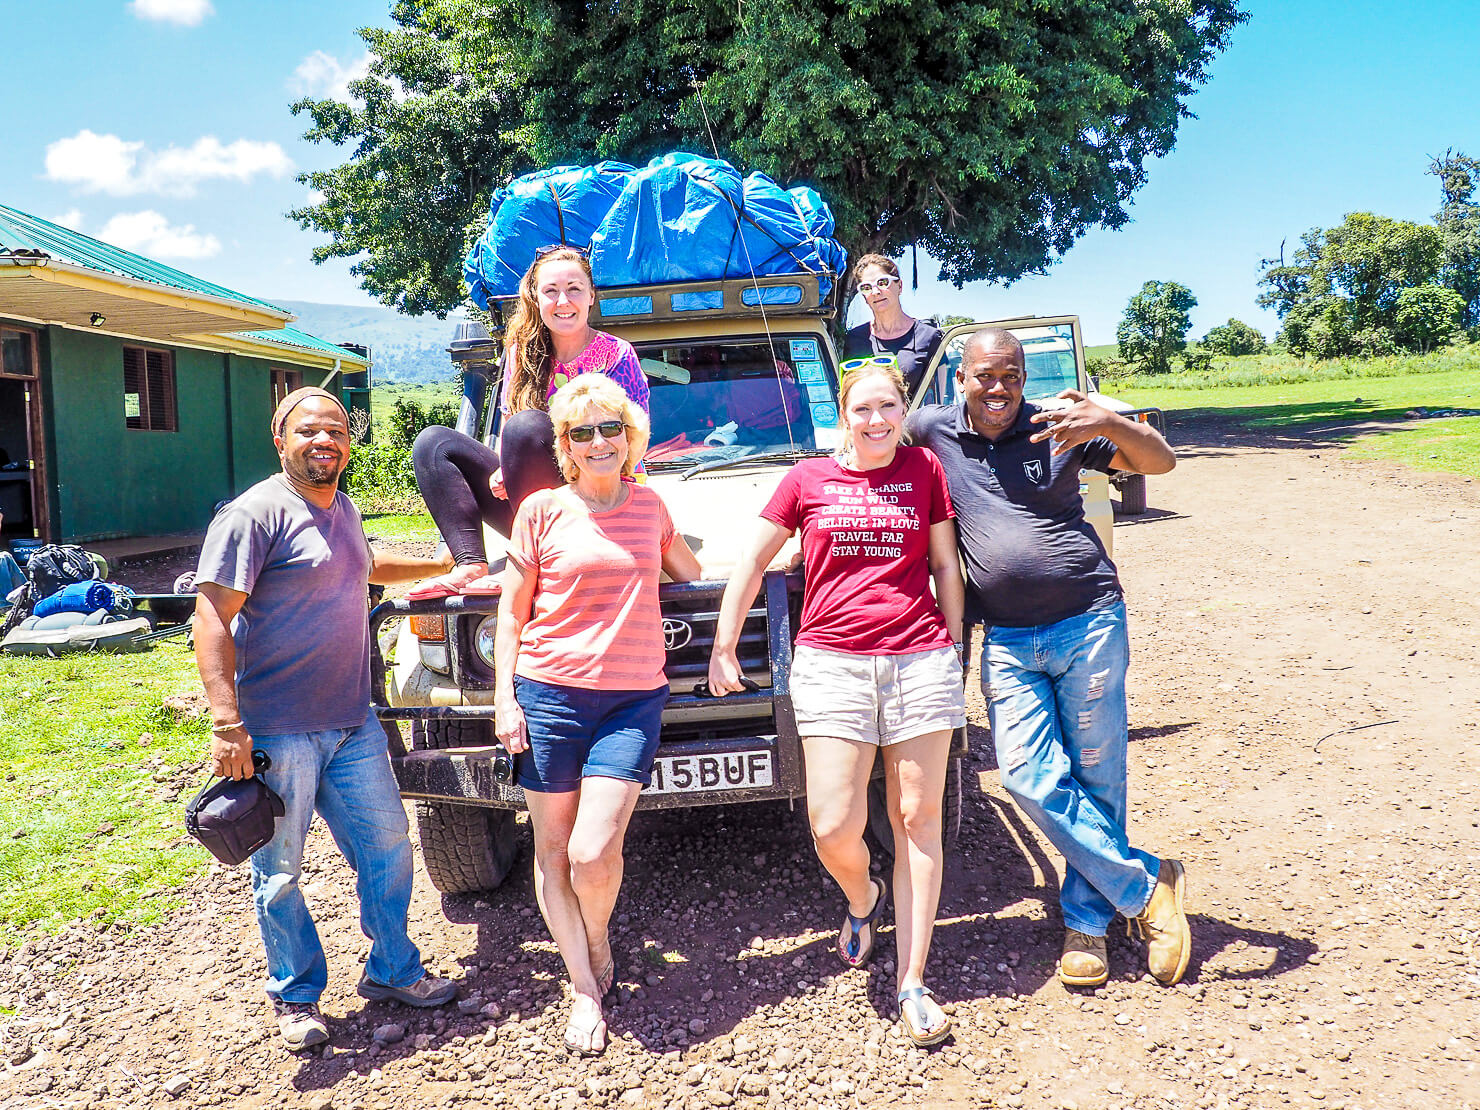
{"type": "Point", "coordinates": [595, 622]}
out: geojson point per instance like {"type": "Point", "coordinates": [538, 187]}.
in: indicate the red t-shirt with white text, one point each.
{"type": "Point", "coordinates": [866, 547]}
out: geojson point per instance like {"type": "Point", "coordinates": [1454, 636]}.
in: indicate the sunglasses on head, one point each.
{"type": "Point", "coordinates": [869, 360]}
{"type": "Point", "coordinates": [551, 248]}
{"type": "Point", "coordinates": [585, 433]}
{"type": "Point", "coordinates": [880, 284]}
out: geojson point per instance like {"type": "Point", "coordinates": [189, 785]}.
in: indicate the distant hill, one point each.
{"type": "Point", "coordinates": [405, 348]}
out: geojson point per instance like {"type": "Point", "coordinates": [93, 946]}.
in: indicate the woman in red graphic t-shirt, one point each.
{"type": "Point", "coordinates": [877, 663]}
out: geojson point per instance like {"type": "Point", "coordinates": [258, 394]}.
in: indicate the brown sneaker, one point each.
{"type": "Point", "coordinates": [1084, 962]}
{"type": "Point", "coordinates": [1163, 925]}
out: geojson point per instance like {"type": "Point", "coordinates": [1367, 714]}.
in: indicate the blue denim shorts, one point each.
{"type": "Point", "coordinates": [576, 733]}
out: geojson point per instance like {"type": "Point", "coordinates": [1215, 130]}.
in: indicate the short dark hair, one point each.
{"type": "Point", "coordinates": [991, 338]}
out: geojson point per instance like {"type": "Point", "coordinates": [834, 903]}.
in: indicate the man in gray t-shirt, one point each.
{"type": "Point", "coordinates": [282, 642]}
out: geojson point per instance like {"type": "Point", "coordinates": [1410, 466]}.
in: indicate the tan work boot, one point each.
{"type": "Point", "coordinates": [1084, 962]}
{"type": "Point", "coordinates": [1163, 925]}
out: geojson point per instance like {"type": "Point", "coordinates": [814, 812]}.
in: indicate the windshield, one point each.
{"type": "Point", "coordinates": [1048, 356]}
{"type": "Point", "coordinates": [728, 399]}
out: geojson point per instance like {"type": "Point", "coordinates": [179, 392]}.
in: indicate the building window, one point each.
{"type": "Point", "coordinates": [283, 383]}
{"type": "Point", "coordinates": [149, 389]}
{"type": "Point", "coordinates": [17, 353]}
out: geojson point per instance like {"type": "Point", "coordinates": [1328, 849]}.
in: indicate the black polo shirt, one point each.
{"type": "Point", "coordinates": [1031, 556]}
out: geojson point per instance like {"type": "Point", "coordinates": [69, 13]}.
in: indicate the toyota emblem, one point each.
{"type": "Point", "coordinates": [676, 634]}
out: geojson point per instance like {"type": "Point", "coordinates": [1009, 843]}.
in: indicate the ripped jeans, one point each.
{"type": "Point", "coordinates": [1056, 701]}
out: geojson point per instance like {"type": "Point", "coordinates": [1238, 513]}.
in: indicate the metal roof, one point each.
{"type": "Point", "coordinates": [22, 234]}
{"type": "Point", "coordinates": [292, 337]}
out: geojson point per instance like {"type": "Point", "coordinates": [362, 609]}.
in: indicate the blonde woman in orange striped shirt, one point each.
{"type": "Point", "coordinates": [579, 658]}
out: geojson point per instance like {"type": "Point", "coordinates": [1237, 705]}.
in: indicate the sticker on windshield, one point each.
{"type": "Point", "coordinates": [827, 439]}
{"type": "Point", "coordinates": [818, 391]}
{"type": "Point", "coordinates": [804, 350]}
{"type": "Point", "coordinates": [825, 413]}
{"type": "Point", "coordinates": [811, 371]}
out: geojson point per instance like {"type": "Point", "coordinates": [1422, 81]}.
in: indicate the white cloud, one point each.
{"type": "Point", "coordinates": [150, 233]}
{"type": "Point", "coordinates": [107, 164]}
{"type": "Point", "coordinates": [323, 75]}
{"type": "Point", "coordinates": [72, 218]}
{"type": "Point", "coordinates": [187, 13]}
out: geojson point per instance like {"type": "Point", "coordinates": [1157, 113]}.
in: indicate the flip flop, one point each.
{"type": "Point", "coordinates": [432, 589]}
{"type": "Point", "coordinates": [850, 942]}
{"type": "Point", "coordinates": [916, 1018]}
{"type": "Point", "coordinates": [486, 586]}
{"type": "Point", "coordinates": [584, 1039]}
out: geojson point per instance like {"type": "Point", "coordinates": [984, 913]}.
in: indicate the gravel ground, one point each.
{"type": "Point", "coordinates": [1304, 710]}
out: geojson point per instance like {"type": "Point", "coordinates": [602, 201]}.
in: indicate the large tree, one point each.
{"type": "Point", "coordinates": [1154, 327]}
{"type": "Point", "coordinates": [1458, 221]}
{"type": "Point", "coordinates": [991, 134]}
{"type": "Point", "coordinates": [1339, 294]}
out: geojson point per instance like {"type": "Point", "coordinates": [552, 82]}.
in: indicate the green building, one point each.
{"type": "Point", "coordinates": [134, 397]}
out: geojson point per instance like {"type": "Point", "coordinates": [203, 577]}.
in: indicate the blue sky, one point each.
{"type": "Point", "coordinates": [163, 125]}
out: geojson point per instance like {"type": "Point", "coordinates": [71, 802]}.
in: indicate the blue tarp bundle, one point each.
{"type": "Point", "coordinates": [79, 597]}
{"type": "Point", "coordinates": [679, 218]}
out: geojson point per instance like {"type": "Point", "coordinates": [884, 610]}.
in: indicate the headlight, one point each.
{"type": "Point", "coordinates": [483, 639]}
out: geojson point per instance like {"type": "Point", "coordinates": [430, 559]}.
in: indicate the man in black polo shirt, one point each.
{"type": "Point", "coordinates": [1054, 662]}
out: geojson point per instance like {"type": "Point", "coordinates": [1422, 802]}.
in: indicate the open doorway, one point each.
{"type": "Point", "coordinates": [22, 505]}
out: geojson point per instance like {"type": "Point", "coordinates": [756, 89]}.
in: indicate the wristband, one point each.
{"type": "Point", "coordinates": [227, 727]}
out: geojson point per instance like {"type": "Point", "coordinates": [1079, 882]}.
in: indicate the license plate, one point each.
{"type": "Point", "coordinates": [679, 774]}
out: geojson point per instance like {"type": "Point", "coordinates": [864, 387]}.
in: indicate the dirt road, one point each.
{"type": "Point", "coordinates": [1304, 706]}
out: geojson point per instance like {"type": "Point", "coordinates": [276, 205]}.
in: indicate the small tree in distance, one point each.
{"type": "Point", "coordinates": [1234, 338]}
{"type": "Point", "coordinates": [1154, 327]}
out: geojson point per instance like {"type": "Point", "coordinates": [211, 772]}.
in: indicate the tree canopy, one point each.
{"type": "Point", "coordinates": [991, 134]}
{"type": "Point", "coordinates": [1154, 327]}
{"type": "Point", "coordinates": [1458, 221]}
{"type": "Point", "coordinates": [1372, 285]}
{"type": "Point", "coordinates": [1234, 338]}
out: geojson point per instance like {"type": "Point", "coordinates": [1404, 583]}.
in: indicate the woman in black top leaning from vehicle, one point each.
{"type": "Point", "coordinates": [891, 331]}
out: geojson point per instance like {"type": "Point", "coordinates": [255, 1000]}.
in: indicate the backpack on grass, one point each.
{"type": "Point", "coordinates": [48, 570]}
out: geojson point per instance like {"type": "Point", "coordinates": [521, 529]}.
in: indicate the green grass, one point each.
{"type": "Point", "coordinates": [384, 397]}
{"type": "Point", "coordinates": [1450, 444]}
{"type": "Point", "coordinates": [400, 526]}
{"type": "Point", "coordinates": [1285, 369]}
{"type": "Point", "coordinates": [74, 762]}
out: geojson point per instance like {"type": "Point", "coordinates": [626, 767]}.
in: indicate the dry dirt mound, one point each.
{"type": "Point", "coordinates": [1304, 708]}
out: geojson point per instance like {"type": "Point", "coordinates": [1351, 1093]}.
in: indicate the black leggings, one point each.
{"type": "Point", "coordinates": [452, 471]}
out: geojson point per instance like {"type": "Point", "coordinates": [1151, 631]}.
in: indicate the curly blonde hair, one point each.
{"type": "Point", "coordinates": [530, 359]}
{"type": "Point", "coordinates": [596, 390]}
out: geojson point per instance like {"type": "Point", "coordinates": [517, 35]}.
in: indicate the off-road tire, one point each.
{"type": "Point", "coordinates": [880, 833]}
{"type": "Point", "coordinates": [1132, 495]}
{"type": "Point", "coordinates": [465, 848]}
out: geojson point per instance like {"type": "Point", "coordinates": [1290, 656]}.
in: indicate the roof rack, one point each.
{"type": "Point", "coordinates": [729, 298]}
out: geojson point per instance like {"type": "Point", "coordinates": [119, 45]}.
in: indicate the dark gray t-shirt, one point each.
{"type": "Point", "coordinates": [302, 636]}
{"type": "Point", "coordinates": [1031, 556]}
{"type": "Point", "coordinates": [914, 349]}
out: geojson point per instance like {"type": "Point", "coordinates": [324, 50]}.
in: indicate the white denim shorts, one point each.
{"type": "Point", "coordinates": [877, 699]}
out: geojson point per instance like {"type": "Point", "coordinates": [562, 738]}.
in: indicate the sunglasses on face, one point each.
{"type": "Point", "coordinates": [881, 284]}
{"type": "Point", "coordinates": [869, 360]}
{"type": "Point", "coordinates": [551, 248]}
{"type": "Point", "coordinates": [585, 433]}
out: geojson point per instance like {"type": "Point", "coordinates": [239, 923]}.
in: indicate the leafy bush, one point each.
{"type": "Point", "coordinates": [1234, 338]}
{"type": "Point", "coordinates": [380, 478]}
{"type": "Point", "coordinates": [1428, 316]}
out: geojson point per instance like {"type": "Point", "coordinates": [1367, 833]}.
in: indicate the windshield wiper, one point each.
{"type": "Point", "coordinates": [742, 460]}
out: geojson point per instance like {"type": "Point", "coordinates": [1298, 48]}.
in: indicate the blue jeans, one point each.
{"type": "Point", "coordinates": [1056, 702]}
{"type": "Point", "coordinates": [344, 774]}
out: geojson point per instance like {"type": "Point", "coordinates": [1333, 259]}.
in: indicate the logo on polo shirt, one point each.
{"type": "Point", "coordinates": [1033, 468]}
